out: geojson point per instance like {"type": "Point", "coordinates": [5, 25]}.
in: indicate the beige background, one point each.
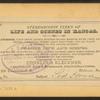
{"type": "Point", "coordinates": [74, 11]}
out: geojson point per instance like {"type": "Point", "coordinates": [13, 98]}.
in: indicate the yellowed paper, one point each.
{"type": "Point", "coordinates": [49, 50]}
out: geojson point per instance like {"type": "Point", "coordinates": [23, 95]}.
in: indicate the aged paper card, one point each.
{"type": "Point", "coordinates": [49, 49]}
